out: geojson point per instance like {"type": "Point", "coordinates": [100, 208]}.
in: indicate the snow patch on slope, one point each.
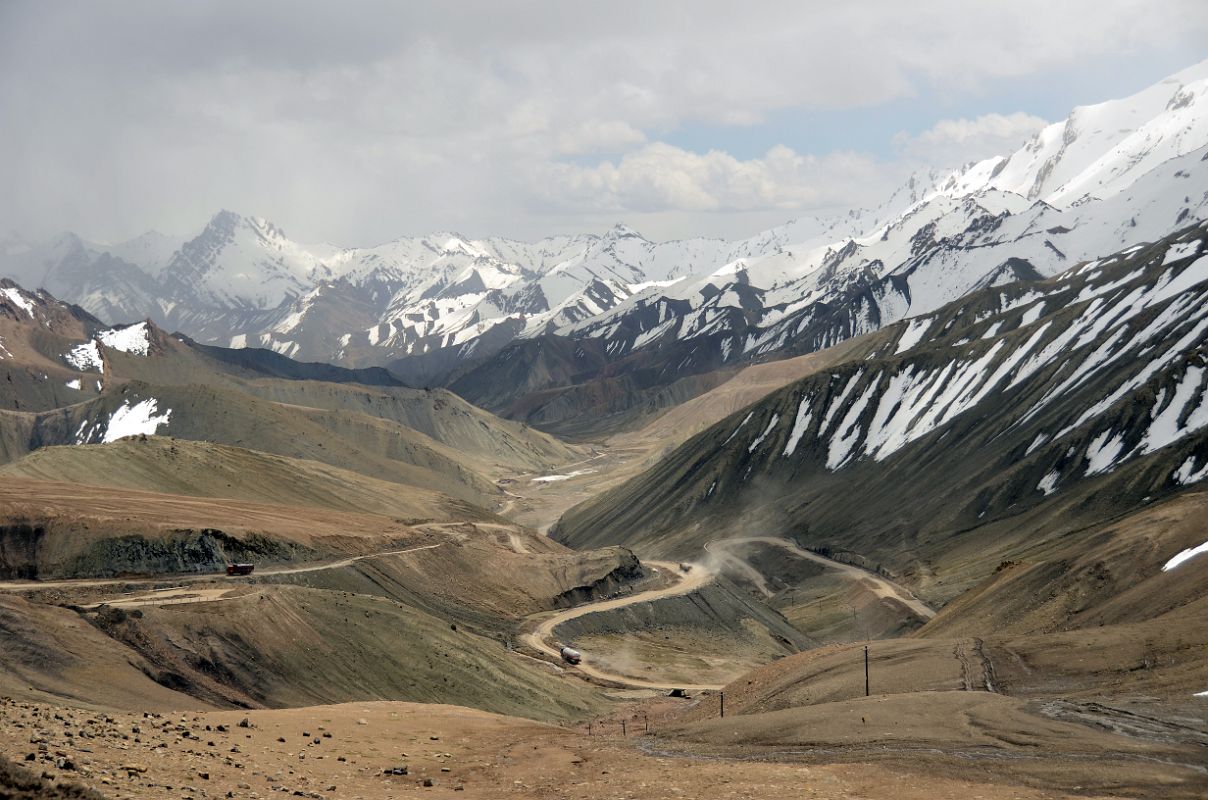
{"type": "Point", "coordinates": [745, 420]}
{"type": "Point", "coordinates": [18, 299]}
{"type": "Point", "coordinates": [133, 339]}
{"type": "Point", "coordinates": [131, 420]}
{"type": "Point", "coordinates": [913, 334]}
{"type": "Point", "coordinates": [800, 424]}
{"type": "Point", "coordinates": [566, 477]}
{"type": "Point", "coordinates": [759, 439]}
{"type": "Point", "coordinates": [1185, 555]}
{"type": "Point", "coordinates": [128, 420]}
{"type": "Point", "coordinates": [86, 357]}
{"type": "Point", "coordinates": [1187, 474]}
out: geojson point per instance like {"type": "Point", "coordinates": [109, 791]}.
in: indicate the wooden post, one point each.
{"type": "Point", "coordinates": [646, 720]}
{"type": "Point", "coordinates": [866, 670]}
{"type": "Point", "coordinates": [623, 731]}
{"type": "Point", "coordinates": [723, 704]}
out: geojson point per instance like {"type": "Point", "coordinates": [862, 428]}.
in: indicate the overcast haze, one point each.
{"type": "Point", "coordinates": [359, 122]}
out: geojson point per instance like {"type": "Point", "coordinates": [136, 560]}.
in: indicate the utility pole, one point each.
{"type": "Point", "coordinates": [866, 670]}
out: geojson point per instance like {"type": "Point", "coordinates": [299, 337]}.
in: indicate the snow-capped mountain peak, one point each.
{"type": "Point", "coordinates": [1099, 149]}
{"type": "Point", "coordinates": [242, 262]}
{"type": "Point", "coordinates": [1110, 175]}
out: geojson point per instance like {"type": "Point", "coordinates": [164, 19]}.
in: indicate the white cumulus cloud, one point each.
{"type": "Point", "coordinates": [600, 136]}
{"type": "Point", "coordinates": [951, 142]}
{"type": "Point", "coordinates": [359, 121]}
{"type": "Point", "coordinates": [661, 177]}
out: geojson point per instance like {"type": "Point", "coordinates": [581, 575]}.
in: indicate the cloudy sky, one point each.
{"type": "Point", "coordinates": [356, 122]}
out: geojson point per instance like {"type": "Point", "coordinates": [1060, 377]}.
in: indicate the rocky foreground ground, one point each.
{"type": "Point", "coordinates": [390, 749]}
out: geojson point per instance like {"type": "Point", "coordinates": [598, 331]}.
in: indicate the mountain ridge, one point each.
{"type": "Point", "coordinates": [1079, 394]}
{"type": "Point", "coordinates": [434, 308]}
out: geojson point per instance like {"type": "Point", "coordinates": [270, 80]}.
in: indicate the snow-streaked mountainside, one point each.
{"type": "Point", "coordinates": [981, 410]}
{"type": "Point", "coordinates": [1109, 176]}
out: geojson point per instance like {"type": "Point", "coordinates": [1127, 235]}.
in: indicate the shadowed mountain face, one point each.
{"type": "Point", "coordinates": [965, 438]}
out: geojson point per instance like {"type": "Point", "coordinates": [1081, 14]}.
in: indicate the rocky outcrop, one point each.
{"type": "Point", "coordinates": [621, 578]}
{"type": "Point", "coordinates": [27, 552]}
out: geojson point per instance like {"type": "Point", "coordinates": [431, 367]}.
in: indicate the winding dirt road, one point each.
{"type": "Point", "coordinates": [882, 587]}
{"type": "Point", "coordinates": [688, 582]}
{"type": "Point", "coordinates": [542, 637]}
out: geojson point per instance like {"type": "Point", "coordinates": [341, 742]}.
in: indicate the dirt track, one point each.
{"type": "Point", "coordinates": [882, 587]}
{"type": "Point", "coordinates": [23, 586]}
{"type": "Point", "coordinates": [541, 637]}
{"type": "Point", "coordinates": [688, 582]}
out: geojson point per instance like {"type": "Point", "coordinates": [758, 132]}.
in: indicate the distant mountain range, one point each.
{"type": "Point", "coordinates": [445, 308]}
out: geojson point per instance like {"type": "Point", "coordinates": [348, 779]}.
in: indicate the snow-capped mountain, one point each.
{"type": "Point", "coordinates": [1088, 391]}
{"type": "Point", "coordinates": [1102, 149]}
{"type": "Point", "coordinates": [242, 281]}
{"type": "Point", "coordinates": [1108, 176]}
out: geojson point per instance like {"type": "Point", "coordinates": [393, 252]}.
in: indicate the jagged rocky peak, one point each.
{"type": "Point", "coordinates": [267, 228]}
{"type": "Point", "coordinates": [622, 231]}
{"type": "Point", "coordinates": [223, 224]}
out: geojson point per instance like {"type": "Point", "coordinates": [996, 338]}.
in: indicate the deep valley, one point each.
{"type": "Point", "coordinates": [909, 502]}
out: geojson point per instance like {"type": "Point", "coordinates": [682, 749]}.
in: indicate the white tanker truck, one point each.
{"type": "Point", "coordinates": [571, 656]}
